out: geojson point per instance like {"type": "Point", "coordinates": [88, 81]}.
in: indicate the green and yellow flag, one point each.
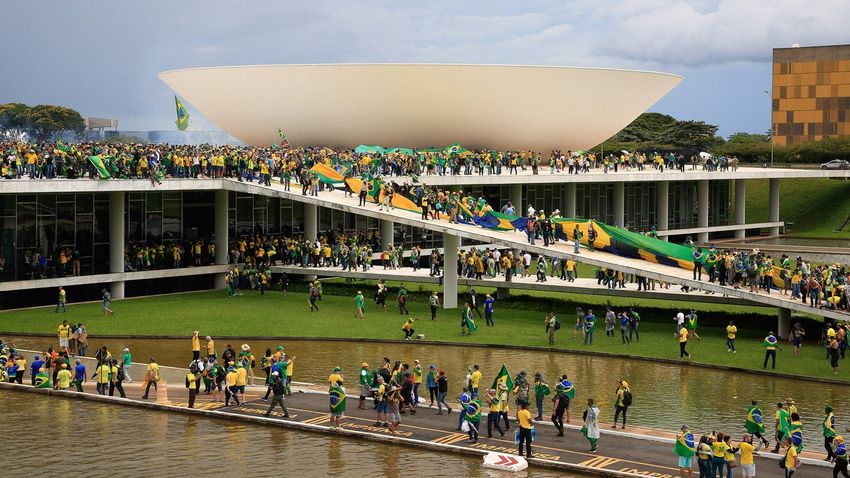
{"type": "Point", "coordinates": [42, 379]}
{"type": "Point", "coordinates": [685, 445]}
{"type": "Point", "coordinates": [503, 377]}
{"type": "Point", "coordinates": [182, 115]}
{"type": "Point", "coordinates": [97, 161]}
{"type": "Point", "coordinates": [336, 396]}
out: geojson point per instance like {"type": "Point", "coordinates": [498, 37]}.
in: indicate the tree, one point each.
{"type": "Point", "coordinates": [648, 127]}
{"type": "Point", "coordinates": [43, 121]}
{"type": "Point", "coordinates": [13, 118]}
{"type": "Point", "coordinates": [749, 138]}
{"type": "Point", "coordinates": [690, 133]}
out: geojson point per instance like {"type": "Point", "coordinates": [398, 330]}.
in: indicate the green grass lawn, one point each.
{"type": "Point", "coordinates": [816, 206]}
{"type": "Point", "coordinates": [215, 314]}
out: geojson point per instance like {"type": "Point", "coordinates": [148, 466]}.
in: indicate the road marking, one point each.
{"type": "Point", "coordinates": [600, 462]}
{"type": "Point", "coordinates": [317, 420]}
{"type": "Point", "coordinates": [450, 438]}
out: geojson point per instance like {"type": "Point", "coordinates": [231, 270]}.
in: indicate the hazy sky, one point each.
{"type": "Point", "coordinates": [102, 57]}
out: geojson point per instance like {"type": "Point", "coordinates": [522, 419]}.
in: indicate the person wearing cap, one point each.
{"type": "Point", "coordinates": [431, 383]}
{"type": "Point", "coordinates": [278, 389]}
{"type": "Point", "coordinates": [192, 377]}
{"type": "Point", "coordinates": [79, 374]}
{"type": "Point", "coordinates": [335, 377]}
{"type": "Point", "coordinates": [417, 381]}
{"type": "Point", "coordinates": [63, 378]}
{"type": "Point", "coordinates": [126, 361]}
{"type": "Point", "coordinates": [241, 379]}
{"type": "Point", "coordinates": [442, 392]}
{"type": "Point", "coordinates": [365, 384]}
{"type": "Point", "coordinates": [622, 402]}
{"type": "Point", "coordinates": [541, 389]}
{"type": "Point", "coordinates": [839, 451]}
{"type": "Point", "coordinates": [381, 405]}
{"type": "Point", "coordinates": [232, 390]}
{"type": "Point", "coordinates": [359, 301]}
{"type": "Point", "coordinates": [747, 451]}
{"type": "Point", "coordinates": [685, 448]}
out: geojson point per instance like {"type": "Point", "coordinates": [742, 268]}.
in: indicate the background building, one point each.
{"type": "Point", "coordinates": [811, 93]}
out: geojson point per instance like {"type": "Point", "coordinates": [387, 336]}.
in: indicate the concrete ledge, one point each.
{"type": "Point", "coordinates": [70, 281]}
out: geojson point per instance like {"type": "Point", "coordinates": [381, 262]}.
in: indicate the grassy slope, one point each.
{"type": "Point", "coordinates": [251, 315]}
{"type": "Point", "coordinates": [815, 206]}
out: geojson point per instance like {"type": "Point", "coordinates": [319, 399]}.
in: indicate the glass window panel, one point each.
{"type": "Point", "coordinates": [154, 202]}
{"type": "Point", "coordinates": [154, 227]}
{"type": "Point", "coordinates": [171, 220]}
{"type": "Point", "coordinates": [260, 226]}
{"type": "Point", "coordinates": [65, 224]}
{"type": "Point", "coordinates": [84, 203]}
{"type": "Point", "coordinates": [135, 226]}
{"type": "Point", "coordinates": [46, 204]}
{"type": "Point", "coordinates": [101, 220]}
{"type": "Point", "coordinates": [26, 225]}
{"type": "Point", "coordinates": [7, 205]}
{"type": "Point", "coordinates": [7, 247]}
{"type": "Point", "coordinates": [100, 259]}
{"type": "Point", "coordinates": [47, 233]}
{"type": "Point", "coordinates": [84, 238]}
{"type": "Point", "coordinates": [244, 216]}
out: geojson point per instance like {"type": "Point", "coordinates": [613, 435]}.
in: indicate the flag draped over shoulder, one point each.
{"type": "Point", "coordinates": [336, 396]}
{"type": "Point", "coordinates": [566, 388]}
{"type": "Point", "coordinates": [755, 421]}
{"type": "Point", "coordinates": [685, 445]}
{"type": "Point", "coordinates": [503, 377]}
{"type": "Point", "coordinates": [182, 115]}
{"type": "Point", "coordinates": [97, 162]}
{"type": "Point", "coordinates": [42, 380]}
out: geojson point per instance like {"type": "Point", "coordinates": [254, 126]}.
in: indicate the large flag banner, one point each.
{"type": "Point", "coordinates": [42, 380]}
{"type": "Point", "coordinates": [284, 143]}
{"type": "Point", "coordinates": [182, 115]}
{"type": "Point", "coordinates": [755, 421]}
{"type": "Point", "coordinates": [336, 397]}
{"type": "Point", "coordinates": [326, 174]}
{"type": "Point", "coordinates": [503, 377]}
{"type": "Point", "coordinates": [97, 162]}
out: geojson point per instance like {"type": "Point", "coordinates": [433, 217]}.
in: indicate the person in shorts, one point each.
{"type": "Point", "coordinates": [381, 402]}
{"type": "Point", "coordinates": [747, 450]}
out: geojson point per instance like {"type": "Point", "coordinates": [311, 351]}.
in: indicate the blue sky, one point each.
{"type": "Point", "coordinates": [102, 57]}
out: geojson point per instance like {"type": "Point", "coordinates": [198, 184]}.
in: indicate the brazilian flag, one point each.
{"type": "Point", "coordinates": [755, 421]}
{"type": "Point", "coordinates": [796, 432]}
{"type": "Point", "coordinates": [685, 445]}
{"type": "Point", "coordinates": [503, 377]}
{"type": "Point", "coordinates": [97, 162]}
{"type": "Point", "coordinates": [467, 319]}
{"type": "Point", "coordinates": [182, 115]}
{"type": "Point", "coordinates": [42, 380]}
{"type": "Point", "coordinates": [473, 411]}
{"type": "Point", "coordinates": [566, 388]}
{"type": "Point", "coordinates": [336, 397]}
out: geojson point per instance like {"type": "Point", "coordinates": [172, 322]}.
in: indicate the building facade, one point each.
{"type": "Point", "coordinates": [811, 93]}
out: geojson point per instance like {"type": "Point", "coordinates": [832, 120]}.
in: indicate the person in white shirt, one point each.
{"type": "Point", "coordinates": [680, 322]}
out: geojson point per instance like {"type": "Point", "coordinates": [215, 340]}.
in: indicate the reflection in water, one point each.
{"type": "Point", "coordinates": [109, 440]}
{"type": "Point", "coordinates": [665, 395]}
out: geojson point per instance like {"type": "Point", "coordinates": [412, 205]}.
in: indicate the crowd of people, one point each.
{"type": "Point", "coordinates": [49, 160]}
{"type": "Point", "coordinates": [394, 388]}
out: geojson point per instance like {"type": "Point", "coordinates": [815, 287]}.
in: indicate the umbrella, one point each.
{"type": "Point", "coordinates": [624, 151]}
{"type": "Point", "coordinates": [705, 155]}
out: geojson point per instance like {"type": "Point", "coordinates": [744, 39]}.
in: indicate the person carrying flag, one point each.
{"type": "Point", "coordinates": [781, 425]}
{"type": "Point", "coordinates": [336, 398]}
{"type": "Point", "coordinates": [590, 430]}
{"type": "Point", "coordinates": [472, 418]}
{"type": "Point", "coordinates": [564, 392]}
{"type": "Point", "coordinates": [685, 449]}
{"type": "Point", "coordinates": [770, 345]}
{"type": "Point", "coordinates": [755, 423]}
{"type": "Point", "coordinates": [467, 323]}
{"type": "Point", "coordinates": [828, 426]}
{"type": "Point", "coordinates": [541, 389]}
{"type": "Point", "coordinates": [365, 383]}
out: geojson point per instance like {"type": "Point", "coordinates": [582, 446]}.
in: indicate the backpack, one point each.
{"type": "Point", "coordinates": [314, 292]}
{"type": "Point", "coordinates": [782, 461]}
{"type": "Point", "coordinates": [121, 374]}
{"type": "Point", "coordinates": [277, 386]}
{"type": "Point", "coordinates": [557, 324]}
{"type": "Point", "coordinates": [627, 398]}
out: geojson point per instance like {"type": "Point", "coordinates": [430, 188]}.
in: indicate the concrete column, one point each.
{"type": "Point", "coordinates": [387, 233]}
{"type": "Point", "coordinates": [619, 203]}
{"type": "Point", "coordinates": [740, 207]}
{"type": "Point", "coordinates": [516, 199]}
{"type": "Point", "coordinates": [116, 241]}
{"type": "Point", "coordinates": [662, 207]}
{"type": "Point", "coordinates": [222, 239]}
{"type": "Point", "coordinates": [502, 293]}
{"type": "Point", "coordinates": [773, 214]}
{"type": "Point", "coordinates": [702, 210]}
{"type": "Point", "coordinates": [311, 221]}
{"type": "Point", "coordinates": [569, 200]}
{"type": "Point", "coordinates": [450, 245]}
{"type": "Point", "coordinates": [783, 325]}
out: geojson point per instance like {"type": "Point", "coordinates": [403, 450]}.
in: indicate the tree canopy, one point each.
{"type": "Point", "coordinates": [42, 121]}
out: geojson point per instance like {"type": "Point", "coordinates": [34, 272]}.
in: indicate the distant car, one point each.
{"type": "Point", "coordinates": [836, 164]}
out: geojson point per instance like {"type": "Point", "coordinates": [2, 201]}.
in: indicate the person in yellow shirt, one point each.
{"type": "Point", "coordinates": [64, 333]}
{"type": "Point", "coordinates": [63, 378]}
{"type": "Point", "coordinates": [151, 377]}
{"type": "Point", "coordinates": [718, 455]}
{"type": "Point", "coordinates": [192, 384]}
{"type": "Point", "coordinates": [196, 346]}
{"type": "Point", "coordinates": [103, 371]}
{"type": "Point", "coordinates": [475, 378]}
{"type": "Point", "coordinates": [210, 347]}
{"type": "Point", "coordinates": [683, 343]}
{"type": "Point", "coordinates": [792, 461]}
{"type": "Point", "coordinates": [335, 378]}
{"type": "Point", "coordinates": [232, 390]}
{"type": "Point", "coordinates": [731, 332]}
{"type": "Point", "coordinates": [747, 451]}
{"type": "Point", "coordinates": [241, 380]}
{"type": "Point", "coordinates": [492, 400]}
{"type": "Point", "coordinates": [571, 269]}
{"type": "Point", "coordinates": [523, 417]}
{"type": "Point", "coordinates": [116, 377]}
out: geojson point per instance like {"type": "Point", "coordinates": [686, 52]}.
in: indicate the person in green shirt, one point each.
{"type": "Point", "coordinates": [126, 360]}
{"type": "Point", "coordinates": [359, 301]}
{"type": "Point", "coordinates": [781, 425]}
{"type": "Point", "coordinates": [541, 389]}
{"type": "Point", "coordinates": [828, 426]}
